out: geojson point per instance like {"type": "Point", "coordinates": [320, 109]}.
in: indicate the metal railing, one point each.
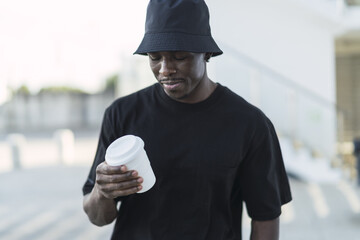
{"type": "Point", "coordinates": [297, 112]}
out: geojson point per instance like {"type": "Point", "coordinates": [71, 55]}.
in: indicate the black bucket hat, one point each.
{"type": "Point", "coordinates": [178, 25]}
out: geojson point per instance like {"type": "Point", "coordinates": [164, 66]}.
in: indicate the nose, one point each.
{"type": "Point", "coordinates": [166, 68]}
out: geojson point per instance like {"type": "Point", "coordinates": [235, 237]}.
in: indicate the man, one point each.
{"type": "Point", "coordinates": [210, 150]}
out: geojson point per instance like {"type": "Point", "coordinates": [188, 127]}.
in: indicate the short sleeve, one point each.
{"type": "Point", "coordinates": [263, 180]}
{"type": "Point", "coordinates": [107, 136]}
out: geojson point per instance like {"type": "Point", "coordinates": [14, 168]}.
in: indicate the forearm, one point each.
{"type": "Point", "coordinates": [100, 210]}
{"type": "Point", "coordinates": [265, 230]}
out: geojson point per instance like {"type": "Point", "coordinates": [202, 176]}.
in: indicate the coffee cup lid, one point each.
{"type": "Point", "coordinates": [123, 149]}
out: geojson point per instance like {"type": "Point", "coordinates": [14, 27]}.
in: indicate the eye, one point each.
{"type": "Point", "coordinates": [154, 57]}
{"type": "Point", "coordinates": [180, 58]}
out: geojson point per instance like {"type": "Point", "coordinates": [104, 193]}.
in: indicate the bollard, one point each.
{"type": "Point", "coordinates": [64, 139]}
{"type": "Point", "coordinates": [357, 155]}
{"type": "Point", "coordinates": [16, 142]}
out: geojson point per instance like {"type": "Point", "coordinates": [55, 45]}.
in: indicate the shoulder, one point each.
{"type": "Point", "coordinates": [130, 103]}
{"type": "Point", "coordinates": [141, 95]}
{"type": "Point", "coordinates": [238, 107]}
{"type": "Point", "coordinates": [248, 120]}
{"type": "Point", "coordinates": [131, 100]}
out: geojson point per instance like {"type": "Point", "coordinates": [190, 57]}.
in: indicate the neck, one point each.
{"type": "Point", "coordinates": [207, 87]}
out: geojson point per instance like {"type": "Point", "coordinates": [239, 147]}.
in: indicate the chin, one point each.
{"type": "Point", "coordinates": [176, 96]}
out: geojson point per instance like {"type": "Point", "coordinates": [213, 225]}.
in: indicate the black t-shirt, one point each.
{"type": "Point", "coordinates": [208, 158]}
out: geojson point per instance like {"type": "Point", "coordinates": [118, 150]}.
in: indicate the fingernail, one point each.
{"type": "Point", "coordinates": [139, 187]}
{"type": "Point", "coordinates": [140, 180]}
{"type": "Point", "coordinates": [134, 173]}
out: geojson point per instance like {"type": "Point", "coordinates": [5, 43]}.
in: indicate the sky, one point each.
{"type": "Point", "coordinates": [75, 43]}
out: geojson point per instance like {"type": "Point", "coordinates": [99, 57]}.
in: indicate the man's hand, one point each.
{"type": "Point", "coordinates": [116, 181]}
{"type": "Point", "coordinates": [111, 182]}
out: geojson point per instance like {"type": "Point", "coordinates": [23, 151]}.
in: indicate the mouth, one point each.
{"type": "Point", "coordinates": [171, 84]}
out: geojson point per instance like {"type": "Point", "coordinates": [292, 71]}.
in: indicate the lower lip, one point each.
{"type": "Point", "coordinates": [172, 87]}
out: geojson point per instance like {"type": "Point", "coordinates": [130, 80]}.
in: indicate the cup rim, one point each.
{"type": "Point", "coordinates": [112, 158]}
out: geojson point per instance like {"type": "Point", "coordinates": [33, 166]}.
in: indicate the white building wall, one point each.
{"type": "Point", "coordinates": [290, 69]}
{"type": "Point", "coordinates": [51, 111]}
{"type": "Point", "coordinates": [282, 35]}
{"type": "Point", "coordinates": [134, 75]}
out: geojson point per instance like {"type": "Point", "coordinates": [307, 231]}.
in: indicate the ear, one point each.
{"type": "Point", "coordinates": [207, 56]}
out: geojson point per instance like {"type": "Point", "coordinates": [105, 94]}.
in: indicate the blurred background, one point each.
{"type": "Point", "coordinates": [63, 62]}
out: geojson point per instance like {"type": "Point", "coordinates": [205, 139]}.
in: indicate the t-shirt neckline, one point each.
{"type": "Point", "coordinates": [189, 106]}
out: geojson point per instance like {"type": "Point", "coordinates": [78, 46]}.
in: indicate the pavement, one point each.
{"type": "Point", "coordinates": [45, 203]}
{"type": "Point", "coordinates": [43, 200]}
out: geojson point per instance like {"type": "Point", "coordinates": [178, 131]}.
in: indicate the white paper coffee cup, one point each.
{"type": "Point", "coordinates": [129, 150]}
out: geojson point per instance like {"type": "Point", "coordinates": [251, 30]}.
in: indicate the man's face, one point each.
{"type": "Point", "coordinates": [181, 74]}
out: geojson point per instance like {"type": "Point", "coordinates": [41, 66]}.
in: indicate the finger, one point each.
{"type": "Point", "coordinates": [116, 178]}
{"type": "Point", "coordinates": [112, 187]}
{"type": "Point", "coordinates": [128, 191]}
{"type": "Point", "coordinates": [104, 168]}
{"type": "Point", "coordinates": [120, 192]}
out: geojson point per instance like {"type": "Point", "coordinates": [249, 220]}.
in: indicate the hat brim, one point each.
{"type": "Point", "coordinates": [175, 41]}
